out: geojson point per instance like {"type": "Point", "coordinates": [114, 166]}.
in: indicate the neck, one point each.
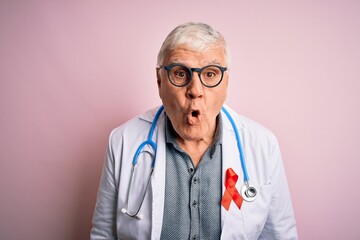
{"type": "Point", "coordinates": [197, 148]}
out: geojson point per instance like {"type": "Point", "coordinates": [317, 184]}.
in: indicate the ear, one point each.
{"type": "Point", "coordinates": [158, 78]}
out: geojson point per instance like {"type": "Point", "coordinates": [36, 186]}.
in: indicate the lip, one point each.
{"type": "Point", "coordinates": [193, 116]}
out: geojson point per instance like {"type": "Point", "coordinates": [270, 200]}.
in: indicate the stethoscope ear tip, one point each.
{"type": "Point", "coordinates": [124, 211]}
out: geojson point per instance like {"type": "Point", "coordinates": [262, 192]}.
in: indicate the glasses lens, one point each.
{"type": "Point", "coordinates": [211, 75]}
{"type": "Point", "coordinates": [179, 75]}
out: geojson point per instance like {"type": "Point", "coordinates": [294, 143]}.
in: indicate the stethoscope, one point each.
{"type": "Point", "coordinates": [247, 191]}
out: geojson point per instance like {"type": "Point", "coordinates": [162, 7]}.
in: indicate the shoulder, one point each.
{"type": "Point", "coordinates": [252, 130]}
{"type": "Point", "coordinates": [137, 125]}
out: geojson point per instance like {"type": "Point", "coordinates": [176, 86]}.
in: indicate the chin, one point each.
{"type": "Point", "coordinates": [192, 133]}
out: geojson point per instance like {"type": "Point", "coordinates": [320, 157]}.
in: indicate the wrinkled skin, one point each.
{"type": "Point", "coordinates": [193, 109]}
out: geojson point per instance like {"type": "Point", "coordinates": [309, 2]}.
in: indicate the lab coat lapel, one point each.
{"type": "Point", "coordinates": [158, 178]}
{"type": "Point", "coordinates": [231, 159]}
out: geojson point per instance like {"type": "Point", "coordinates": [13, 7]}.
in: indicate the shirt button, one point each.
{"type": "Point", "coordinates": [194, 204]}
{"type": "Point", "coordinates": [195, 181]}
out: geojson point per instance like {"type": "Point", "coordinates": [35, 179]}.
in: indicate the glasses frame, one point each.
{"type": "Point", "coordinates": [191, 70]}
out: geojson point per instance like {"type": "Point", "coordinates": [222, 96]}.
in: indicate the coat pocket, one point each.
{"type": "Point", "coordinates": [255, 213]}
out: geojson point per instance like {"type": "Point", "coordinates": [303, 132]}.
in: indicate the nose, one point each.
{"type": "Point", "coordinates": [195, 89]}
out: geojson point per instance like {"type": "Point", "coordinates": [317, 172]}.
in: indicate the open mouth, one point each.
{"type": "Point", "coordinates": [195, 113]}
{"type": "Point", "coordinates": [193, 117]}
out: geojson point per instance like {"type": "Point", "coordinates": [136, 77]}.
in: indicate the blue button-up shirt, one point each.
{"type": "Point", "coordinates": [192, 195]}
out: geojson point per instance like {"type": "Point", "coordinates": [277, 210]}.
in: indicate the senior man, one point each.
{"type": "Point", "coordinates": [202, 171]}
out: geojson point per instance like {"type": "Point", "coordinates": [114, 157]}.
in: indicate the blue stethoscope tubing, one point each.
{"type": "Point", "coordinates": [248, 192]}
{"type": "Point", "coordinates": [238, 141]}
{"type": "Point", "coordinates": [149, 140]}
{"type": "Point", "coordinates": [153, 145]}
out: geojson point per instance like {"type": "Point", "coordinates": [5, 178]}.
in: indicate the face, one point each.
{"type": "Point", "coordinates": [193, 109]}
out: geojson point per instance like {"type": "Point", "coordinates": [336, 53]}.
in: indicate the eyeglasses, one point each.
{"type": "Point", "coordinates": [180, 75]}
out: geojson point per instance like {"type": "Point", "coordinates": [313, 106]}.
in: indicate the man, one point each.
{"type": "Point", "coordinates": [217, 175]}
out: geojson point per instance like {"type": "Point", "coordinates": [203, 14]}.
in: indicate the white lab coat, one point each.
{"type": "Point", "coordinates": [270, 216]}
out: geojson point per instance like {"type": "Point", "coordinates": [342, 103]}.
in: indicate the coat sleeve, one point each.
{"type": "Point", "coordinates": [104, 218]}
{"type": "Point", "coordinates": [280, 223]}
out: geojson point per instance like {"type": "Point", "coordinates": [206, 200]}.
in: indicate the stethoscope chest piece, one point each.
{"type": "Point", "coordinates": [249, 193]}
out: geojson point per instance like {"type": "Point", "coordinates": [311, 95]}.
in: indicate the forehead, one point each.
{"type": "Point", "coordinates": [193, 58]}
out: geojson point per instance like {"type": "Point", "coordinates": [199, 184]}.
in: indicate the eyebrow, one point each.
{"type": "Point", "coordinates": [176, 61]}
{"type": "Point", "coordinates": [212, 62]}
{"type": "Point", "coordinates": [215, 62]}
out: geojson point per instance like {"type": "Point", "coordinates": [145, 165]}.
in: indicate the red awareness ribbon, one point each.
{"type": "Point", "coordinates": [231, 193]}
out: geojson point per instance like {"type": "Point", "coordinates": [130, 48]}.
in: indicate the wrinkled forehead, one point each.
{"type": "Point", "coordinates": [214, 54]}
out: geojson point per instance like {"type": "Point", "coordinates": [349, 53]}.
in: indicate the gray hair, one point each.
{"type": "Point", "coordinates": [195, 35]}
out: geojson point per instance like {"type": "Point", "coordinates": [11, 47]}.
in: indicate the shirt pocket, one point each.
{"type": "Point", "coordinates": [255, 213]}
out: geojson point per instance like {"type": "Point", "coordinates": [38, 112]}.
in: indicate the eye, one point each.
{"type": "Point", "coordinates": [210, 73]}
{"type": "Point", "coordinates": [180, 73]}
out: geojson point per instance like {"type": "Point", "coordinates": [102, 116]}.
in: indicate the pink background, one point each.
{"type": "Point", "coordinates": [72, 71]}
